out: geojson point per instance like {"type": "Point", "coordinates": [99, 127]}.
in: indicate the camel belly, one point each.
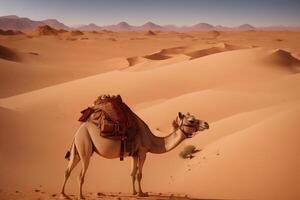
{"type": "Point", "coordinates": [107, 148]}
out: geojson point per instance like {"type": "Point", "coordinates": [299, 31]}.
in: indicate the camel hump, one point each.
{"type": "Point", "coordinates": [113, 107]}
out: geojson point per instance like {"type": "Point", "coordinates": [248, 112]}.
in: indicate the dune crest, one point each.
{"type": "Point", "coordinates": [150, 33]}
{"type": "Point", "coordinates": [283, 57]}
{"type": "Point", "coordinates": [284, 60]}
{"type": "Point", "coordinates": [221, 47]}
{"type": "Point", "coordinates": [9, 54]}
{"type": "Point", "coordinates": [76, 33]}
{"type": "Point", "coordinates": [157, 56]}
{"type": "Point", "coordinates": [135, 60]}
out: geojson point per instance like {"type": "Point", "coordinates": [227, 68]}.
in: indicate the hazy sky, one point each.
{"type": "Point", "coordinates": [136, 12]}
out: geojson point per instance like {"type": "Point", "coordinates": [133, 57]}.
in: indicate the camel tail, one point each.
{"type": "Point", "coordinates": [67, 156]}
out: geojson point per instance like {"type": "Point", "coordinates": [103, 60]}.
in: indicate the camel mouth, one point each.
{"type": "Point", "coordinates": [204, 126]}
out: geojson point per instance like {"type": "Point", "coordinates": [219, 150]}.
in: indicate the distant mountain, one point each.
{"type": "Point", "coordinates": [122, 26]}
{"type": "Point", "coordinates": [89, 27]}
{"type": "Point", "coordinates": [151, 26]}
{"type": "Point", "coordinates": [14, 22]}
{"type": "Point", "coordinates": [245, 27]}
{"type": "Point", "coordinates": [202, 26]}
{"type": "Point", "coordinates": [10, 17]}
{"type": "Point", "coordinates": [55, 24]}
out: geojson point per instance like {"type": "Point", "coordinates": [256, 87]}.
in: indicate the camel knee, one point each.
{"type": "Point", "coordinates": [139, 176]}
{"type": "Point", "coordinates": [80, 179]}
{"type": "Point", "coordinates": [67, 173]}
{"type": "Point", "coordinates": [133, 173]}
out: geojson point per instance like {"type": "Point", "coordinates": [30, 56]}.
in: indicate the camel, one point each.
{"type": "Point", "coordinates": [87, 140]}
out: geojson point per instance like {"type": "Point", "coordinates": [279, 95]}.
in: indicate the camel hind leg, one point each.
{"type": "Point", "coordinates": [85, 150]}
{"type": "Point", "coordinates": [74, 159]}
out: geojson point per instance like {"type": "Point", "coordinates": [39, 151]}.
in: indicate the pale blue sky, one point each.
{"type": "Point", "coordinates": [136, 12]}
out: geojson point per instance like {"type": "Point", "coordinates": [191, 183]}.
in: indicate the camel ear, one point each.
{"type": "Point", "coordinates": [180, 115]}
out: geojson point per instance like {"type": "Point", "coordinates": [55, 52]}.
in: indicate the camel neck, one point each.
{"type": "Point", "coordinates": [164, 144]}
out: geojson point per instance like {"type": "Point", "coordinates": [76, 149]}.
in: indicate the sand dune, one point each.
{"type": "Point", "coordinates": [46, 30]}
{"type": "Point", "coordinates": [222, 47]}
{"type": "Point", "coordinates": [248, 95]}
{"type": "Point", "coordinates": [259, 158]}
{"type": "Point", "coordinates": [183, 51]}
{"type": "Point", "coordinates": [204, 52]}
{"type": "Point", "coordinates": [161, 55]}
{"type": "Point", "coordinates": [150, 33]}
{"type": "Point", "coordinates": [10, 32]}
{"type": "Point", "coordinates": [174, 50]}
{"type": "Point", "coordinates": [9, 54]}
{"type": "Point", "coordinates": [148, 64]}
{"type": "Point", "coordinates": [76, 33]}
{"type": "Point", "coordinates": [157, 56]}
{"type": "Point", "coordinates": [283, 59]}
{"type": "Point", "coordinates": [135, 60]}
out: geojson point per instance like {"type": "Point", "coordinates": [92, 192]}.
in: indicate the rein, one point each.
{"type": "Point", "coordinates": [182, 125]}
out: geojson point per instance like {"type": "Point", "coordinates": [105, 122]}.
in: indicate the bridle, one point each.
{"type": "Point", "coordinates": [182, 125]}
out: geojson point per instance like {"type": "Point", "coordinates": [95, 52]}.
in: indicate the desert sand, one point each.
{"type": "Point", "coordinates": [244, 83]}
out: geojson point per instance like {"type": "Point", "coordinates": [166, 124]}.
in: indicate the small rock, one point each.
{"type": "Point", "coordinates": [100, 194]}
{"type": "Point", "coordinates": [17, 191]}
{"type": "Point", "coordinates": [36, 190]}
{"type": "Point", "coordinates": [53, 195]}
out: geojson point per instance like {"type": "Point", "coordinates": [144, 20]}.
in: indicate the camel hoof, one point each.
{"type": "Point", "coordinates": [82, 198]}
{"type": "Point", "coordinates": [134, 193]}
{"type": "Point", "coordinates": [143, 194]}
{"type": "Point", "coordinates": [63, 196]}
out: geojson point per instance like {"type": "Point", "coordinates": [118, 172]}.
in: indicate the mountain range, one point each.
{"type": "Point", "coordinates": [13, 22]}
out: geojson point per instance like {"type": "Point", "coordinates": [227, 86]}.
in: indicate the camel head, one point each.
{"type": "Point", "coordinates": [189, 124]}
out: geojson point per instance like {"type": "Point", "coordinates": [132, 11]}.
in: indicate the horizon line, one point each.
{"type": "Point", "coordinates": [149, 21]}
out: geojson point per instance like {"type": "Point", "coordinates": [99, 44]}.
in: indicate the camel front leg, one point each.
{"type": "Point", "coordinates": [141, 161]}
{"type": "Point", "coordinates": [133, 173]}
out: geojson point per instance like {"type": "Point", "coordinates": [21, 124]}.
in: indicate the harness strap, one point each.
{"type": "Point", "coordinates": [122, 150]}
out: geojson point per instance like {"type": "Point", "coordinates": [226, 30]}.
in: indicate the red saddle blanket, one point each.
{"type": "Point", "coordinates": [114, 109]}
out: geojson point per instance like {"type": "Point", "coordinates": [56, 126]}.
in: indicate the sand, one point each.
{"type": "Point", "coordinates": [244, 83]}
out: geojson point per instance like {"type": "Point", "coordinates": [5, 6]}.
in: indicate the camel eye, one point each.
{"type": "Point", "coordinates": [191, 121]}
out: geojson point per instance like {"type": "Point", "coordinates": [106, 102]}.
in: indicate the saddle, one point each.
{"type": "Point", "coordinates": [115, 120]}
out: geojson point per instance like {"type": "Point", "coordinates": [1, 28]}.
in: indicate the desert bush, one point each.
{"type": "Point", "coordinates": [187, 152]}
